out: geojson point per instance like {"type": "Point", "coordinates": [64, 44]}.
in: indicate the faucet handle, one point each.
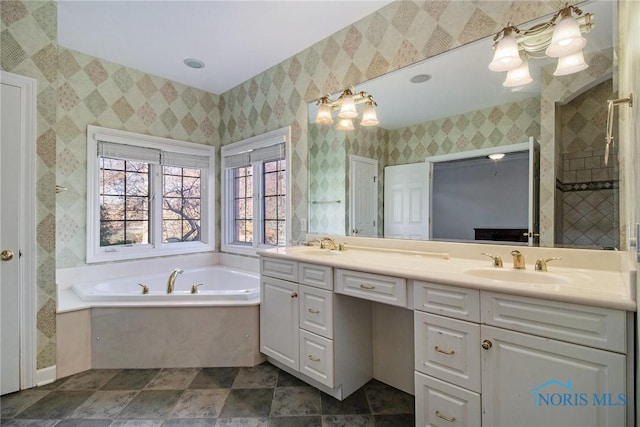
{"type": "Point", "coordinates": [145, 288]}
{"type": "Point", "coordinates": [541, 263]}
{"type": "Point", "coordinates": [496, 260]}
{"type": "Point", "coordinates": [194, 288]}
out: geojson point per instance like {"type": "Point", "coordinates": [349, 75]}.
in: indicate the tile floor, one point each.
{"type": "Point", "coordinates": [259, 396]}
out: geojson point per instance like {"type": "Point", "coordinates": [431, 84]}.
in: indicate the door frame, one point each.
{"type": "Point", "coordinates": [27, 183]}
{"type": "Point", "coordinates": [352, 191]}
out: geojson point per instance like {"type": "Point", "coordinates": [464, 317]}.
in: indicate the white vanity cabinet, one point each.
{"type": "Point", "coordinates": [298, 313]}
{"type": "Point", "coordinates": [485, 358]}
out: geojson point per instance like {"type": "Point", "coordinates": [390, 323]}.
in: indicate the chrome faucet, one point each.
{"type": "Point", "coordinates": [327, 242]}
{"type": "Point", "coordinates": [172, 279]}
{"type": "Point", "coordinates": [518, 260]}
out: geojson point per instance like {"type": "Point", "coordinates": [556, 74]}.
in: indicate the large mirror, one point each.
{"type": "Point", "coordinates": [457, 105]}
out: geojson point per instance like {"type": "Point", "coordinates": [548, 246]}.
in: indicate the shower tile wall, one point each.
{"type": "Point", "coordinates": [93, 91]}
{"type": "Point", "coordinates": [28, 47]}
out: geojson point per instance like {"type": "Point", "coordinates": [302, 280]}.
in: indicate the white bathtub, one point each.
{"type": "Point", "coordinates": [219, 285]}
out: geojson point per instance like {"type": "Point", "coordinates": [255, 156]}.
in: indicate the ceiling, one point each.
{"type": "Point", "coordinates": [235, 39]}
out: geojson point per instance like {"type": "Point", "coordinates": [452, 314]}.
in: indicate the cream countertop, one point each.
{"type": "Point", "coordinates": [608, 288]}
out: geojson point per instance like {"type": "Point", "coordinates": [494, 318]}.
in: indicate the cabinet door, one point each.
{"type": "Point", "coordinates": [534, 381]}
{"type": "Point", "coordinates": [279, 321]}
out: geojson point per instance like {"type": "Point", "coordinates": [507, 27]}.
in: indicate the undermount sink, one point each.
{"type": "Point", "coordinates": [520, 276]}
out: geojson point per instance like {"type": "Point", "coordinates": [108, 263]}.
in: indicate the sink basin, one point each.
{"type": "Point", "coordinates": [520, 276]}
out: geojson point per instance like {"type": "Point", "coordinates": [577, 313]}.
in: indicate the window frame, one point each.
{"type": "Point", "coordinates": [282, 135]}
{"type": "Point", "coordinates": [96, 253]}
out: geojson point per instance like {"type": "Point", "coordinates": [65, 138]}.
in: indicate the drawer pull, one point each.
{"type": "Point", "coordinates": [439, 350]}
{"type": "Point", "coordinates": [294, 295]}
{"type": "Point", "coordinates": [444, 417]}
{"type": "Point", "coordinates": [314, 311]}
{"type": "Point", "coordinates": [363, 286]}
{"type": "Point", "coordinates": [313, 359]}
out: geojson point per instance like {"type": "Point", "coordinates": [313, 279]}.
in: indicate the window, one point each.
{"type": "Point", "coordinates": [147, 196]}
{"type": "Point", "coordinates": [255, 197]}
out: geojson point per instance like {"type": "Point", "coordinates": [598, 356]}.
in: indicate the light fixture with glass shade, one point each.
{"type": "Point", "coordinates": [346, 104]}
{"type": "Point", "coordinates": [560, 37]}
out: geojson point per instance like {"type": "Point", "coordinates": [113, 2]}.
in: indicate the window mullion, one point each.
{"type": "Point", "coordinates": [258, 205]}
{"type": "Point", "coordinates": [155, 192]}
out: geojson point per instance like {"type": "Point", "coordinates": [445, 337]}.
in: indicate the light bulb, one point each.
{"type": "Point", "coordinates": [570, 64]}
{"type": "Point", "coordinates": [506, 56]}
{"type": "Point", "coordinates": [348, 109]}
{"type": "Point", "coordinates": [566, 38]}
{"type": "Point", "coordinates": [369, 116]}
{"type": "Point", "coordinates": [345, 124]}
{"type": "Point", "coordinates": [519, 76]}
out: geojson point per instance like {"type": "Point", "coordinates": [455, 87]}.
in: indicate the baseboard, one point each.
{"type": "Point", "coordinates": [45, 376]}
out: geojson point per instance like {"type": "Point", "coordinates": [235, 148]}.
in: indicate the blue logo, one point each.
{"type": "Point", "coordinates": [555, 393]}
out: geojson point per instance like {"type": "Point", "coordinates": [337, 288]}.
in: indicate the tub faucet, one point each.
{"type": "Point", "coordinates": [518, 260]}
{"type": "Point", "coordinates": [172, 279]}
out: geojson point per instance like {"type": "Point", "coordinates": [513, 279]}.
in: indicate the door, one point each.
{"type": "Point", "coordinates": [534, 193]}
{"type": "Point", "coordinates": [363, 196]}
{"type": "Point", "coordinates": [534, 381]}
{"type": "Point", "coordinates": [279, 327]}
{"type": "Point", "coordinates": [17, 141]}
{"type": "Point", "coordinates": [406, 201]}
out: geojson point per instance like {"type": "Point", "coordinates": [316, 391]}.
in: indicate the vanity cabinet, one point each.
{"type": "Point", "coordinates": [485, 358]}
{"type": "Point", "coordinates": [298, 313]}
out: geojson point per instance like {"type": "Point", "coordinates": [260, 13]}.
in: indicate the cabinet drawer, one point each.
{"type": "Point", "coordinates": [592, 326]}
{"type": "Point", "coordinates": [316, 357]}
{"type": "Point", "coordinates": [375, 287]}
{"type": "Point", "coordinates": [448, 349]}
{"type": "Point", "coordinates": [319, 276]}
{"type": "Point", "coordinates": [316, 311]}
{"type": "Point", "coordinates": [451, 301]}
{"type": "Point", "coordinates": [442, 404]}
{"type": "Point", "coordinates": [279, 268]}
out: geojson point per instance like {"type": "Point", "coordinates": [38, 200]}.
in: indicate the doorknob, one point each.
{"type": "Point", "coordinates": [6, 255]}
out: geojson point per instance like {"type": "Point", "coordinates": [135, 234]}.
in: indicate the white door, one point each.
{"type": "Point", "coordinates": [406, 201]}
{"type": "Point", "coordinates": [16, 142]}
{"type": "Point", "coordinates": [363, 196]}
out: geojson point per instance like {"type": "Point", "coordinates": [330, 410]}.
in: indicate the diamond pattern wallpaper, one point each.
{"type": "Point", "coordinates": [75, 90]}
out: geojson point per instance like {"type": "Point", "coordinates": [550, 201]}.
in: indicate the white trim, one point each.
{"type": "Point", "coordinates": [97, 254]}
{"type": "Point", "coordinates": [282, 135]}
{"type": "Point", "coordinates": [524, 146]}
{"type": "Point", "coordinates": [45, 376]}
{"type": "Point", "coordinates": [28, 322]}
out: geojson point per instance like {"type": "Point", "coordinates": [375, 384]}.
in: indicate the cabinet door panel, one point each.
{"type": "Point", "coordinates": [279, 321]}
{"type": "Point", "coordinates": [531, 381]}
{"type": "Point", "coordinates": [440, 404]}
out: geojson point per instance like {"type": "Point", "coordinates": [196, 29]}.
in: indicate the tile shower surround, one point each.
{"type": "Point", "coordinates": [259, 396]}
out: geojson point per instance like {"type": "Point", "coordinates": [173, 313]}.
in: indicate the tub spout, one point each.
{"type": "Point", "coordinates": [172, 279]}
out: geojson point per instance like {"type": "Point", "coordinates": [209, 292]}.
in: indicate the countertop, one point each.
{"type": "Point", "coordinates": [593, 287]}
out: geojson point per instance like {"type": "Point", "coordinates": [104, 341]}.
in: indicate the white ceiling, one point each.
{"type": "Point", "coordinates": [235, 39]}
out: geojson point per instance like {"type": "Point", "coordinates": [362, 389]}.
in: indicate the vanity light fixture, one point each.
{"type": "Point", "coordinates": [346, 103]}
{"type": "Point", "coordinates": [560, 37]}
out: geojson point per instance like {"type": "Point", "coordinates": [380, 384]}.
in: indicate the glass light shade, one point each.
{"type": "Point", "coordinates": [506, 56]}
{"type": "Point", "coordinates": [566, 38]}
{"type": "Point", "coordinates": [345, 124]}
{"type": "Point", "coordinates": [369, 116]}
{"type": "Point", "coordinates": [518, 76]}
{"type": "Point", "coordinates": [324, 115]}
{"type": "Point", "coordinates": [570, 64]}
{"type": "Point", "coordinates": [348, 109]}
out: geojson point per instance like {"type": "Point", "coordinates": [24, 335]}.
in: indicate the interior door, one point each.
{"type": "Point", "coordinates": [363, 196]}
{"type": "Point", "coordinates": [10, 172]}
{"type": "Point", "coordinates": [406, 201]}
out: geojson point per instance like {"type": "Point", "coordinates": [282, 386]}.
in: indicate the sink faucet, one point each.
{"type": "Point", "coordinates": [327, 242]}
{"type": "Point", "coordinates": [541, 263]}
{"type": "Point", "coordinates": [172, 279]}
{"type": "Point", "coordinates": [496, 261]}
{"type": "Point", "coordinates": [518, 260]}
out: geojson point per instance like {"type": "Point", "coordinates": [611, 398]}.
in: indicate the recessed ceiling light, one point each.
{"type": "Point", "coordinates": [420, 78]}
{"type": "Point", "coordinates": [193, 63]}
{"type": "Point", "coordinates": [496, 156]}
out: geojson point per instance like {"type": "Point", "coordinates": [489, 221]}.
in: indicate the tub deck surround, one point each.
{"type": "Point", "coordinates": [588, 280]}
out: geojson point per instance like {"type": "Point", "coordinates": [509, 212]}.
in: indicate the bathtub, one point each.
{"type": "Point", "coordinates": [218, 285]}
